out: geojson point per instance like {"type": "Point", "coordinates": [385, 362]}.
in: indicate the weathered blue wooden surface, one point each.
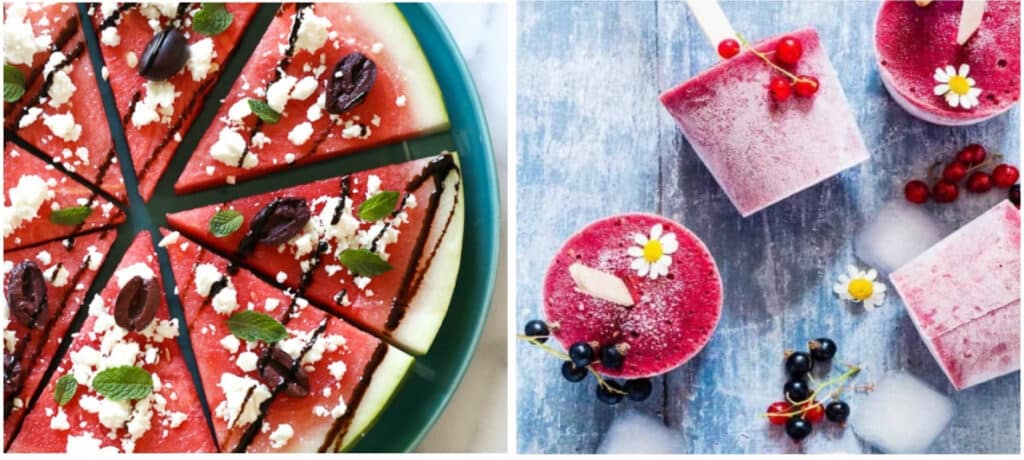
{"type": "Point", "coordinates": [594, 140]}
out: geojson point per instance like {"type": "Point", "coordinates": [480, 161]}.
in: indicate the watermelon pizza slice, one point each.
{"type": "Point", "coordinates": [380, 248]}
{"type": "Point", "coordinates": [43, 287]}
{"type": "Point", "coordinates": [123, 385]}
{"type": "Point", "coordinates": [52, 100]}
{"type": "Point", "coordinates": [327, 79]}
{"type": "Point", "coordinates": [162, 59]}
{"type": "Point", "coordinates": [302, 381]}
{"type": "Point", "coordinates": [43, 204]}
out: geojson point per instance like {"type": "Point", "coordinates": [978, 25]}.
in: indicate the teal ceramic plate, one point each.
{"type": "Point", "coordinates": [435, 376]}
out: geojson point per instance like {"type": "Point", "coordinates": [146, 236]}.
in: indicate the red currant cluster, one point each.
{"type": "Point", "coordinates": [970, 164]}
{"type": "Point", "coordinates": [784, 83]}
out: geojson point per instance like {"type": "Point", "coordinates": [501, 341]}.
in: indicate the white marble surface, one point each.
{"type": "Point", "coordinates": [477, 418]}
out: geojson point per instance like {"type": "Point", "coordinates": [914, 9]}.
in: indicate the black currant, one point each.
{"type": "Point", "coordinates": [639, 389]}
{"type": "Point", "coordinates": [573, 373]}
{"type": "Point", "coordinates": [799, 363]}
{"type": "Point", "coordinates": [608, 396]}
{"type": "Point", "coordinates": [537, 329]}
{"type": "Point", "coordinates": [796, 390]}
{"type": "Point", "coordinates": [797, 428]}
{"type": "Point", "coordinates": [837, 411]}
{"type": "Point", "coordinates": [581, 353]}
{"type": "Point", "coordinates": [611, 357]}
{"type": "Point", "coordinates": [1014, 195]}
{"type": "Point", "coordinates": [822, 349]}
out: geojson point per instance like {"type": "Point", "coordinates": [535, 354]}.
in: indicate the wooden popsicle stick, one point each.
{"type": "Point", "coordinates": [970, 18]}
{"type": "Point", "coordinates": [712, 20]}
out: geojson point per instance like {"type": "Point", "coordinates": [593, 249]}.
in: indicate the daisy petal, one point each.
{"type": "Point", "coordinates": [941, 89]}
{"type": "Point", "coordinates": [640, 239]}
{"type": "Point", "coordinates": [950, 71]}
{"type": "Point", "coordinates": [656, 231]}
{"type": "Point", "coordinates": [941, 76]}
{"type": "Point", "coordinates": [974, 92]}
{"type": "Point", "coordinates": [971, 82]}
{"type": "Point", "coordinates": [964, 70]}
{"type": "Point", "coordinates": [642, 271]}
{"type": "Point", "coordinates": [669, 245]}
{"type": "Point", "coordinates": [635, 251]}
{"type": "Point", "coordinates": [953, 99]}
{"type": "Point", "coordinates": [871, 275]}
{"type": "Point", "coordinates": [638, 264]}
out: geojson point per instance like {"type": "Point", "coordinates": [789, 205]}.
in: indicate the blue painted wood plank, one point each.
{"type": "Point", "coordinates": [593, 140]}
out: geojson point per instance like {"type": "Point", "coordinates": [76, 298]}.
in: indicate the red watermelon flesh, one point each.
{"type": "Point", "coordinates": [674, 315]}
{"type": "Point", "coordinates": [23, 175]}
{"type": "Point", "coordinates": [356, 357]}
{"type": "Point", "coordinates": [90, 151]}
{"type": "Point", "coordinates": [153, 144]}
{"type": "Point", "coordinates": [175, 417]}
{"type": "Point", "coordinates": [406, 303]}
{"type": "Point", "coordinates": [80, 257]}
{"type": "Point", "coordinates": [404, 102]}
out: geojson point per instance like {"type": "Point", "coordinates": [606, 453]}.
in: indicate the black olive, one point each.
{"type": "Point", "coordinates": [165, 55]}
{"type": "Point", "coordinates": [351, 80]}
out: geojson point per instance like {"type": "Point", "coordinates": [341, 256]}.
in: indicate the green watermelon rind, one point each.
{"type": "Point", "coordinates": [428, 308]}
{"type": "Point", "coordinates": [384, 384]}
{"type": "Point", "coordinates": [405, 50]}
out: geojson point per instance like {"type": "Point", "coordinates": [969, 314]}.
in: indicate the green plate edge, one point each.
{"type": "Point", "coordinates": [434, 377]}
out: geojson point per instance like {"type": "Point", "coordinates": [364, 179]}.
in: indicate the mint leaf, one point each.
{"type": "Point", "coordinates": [226, 222]}
{"type": "Point", "coordinates": [363, 262]}
{"type": "Point", "coordinates": [378, 206]}
{"type": "Point", "coordinates": [66, 388]}
{"type": "Point", "coordinates": [14, 83]}
{"type": "Point", "coordinates": [262, 110]}
{"type": "Point", "coordinates": [74, 215]}
{"type": "Point", "coordinates": [212, 19]}
{"type": "Point", "coordinates": [123, 382]}
{"type": "Point", "coordinates": [251, 326]}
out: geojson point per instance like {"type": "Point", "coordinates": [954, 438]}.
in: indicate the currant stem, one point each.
{"type": "Point", "coordinates": [564, 357]}
{"type": "Point", "coordinates": [764, 57]}
{"type": "Point", "coordinates": [838, 382]}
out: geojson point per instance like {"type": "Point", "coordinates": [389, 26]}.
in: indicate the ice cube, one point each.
{"type": "Point", "coordinates": [899, 232]}
{"type": "Point", "coordinates": [902, 415]}
{"type": "Point", "coordinates": [634, 433]}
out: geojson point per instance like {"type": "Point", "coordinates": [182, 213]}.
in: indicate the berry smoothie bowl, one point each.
{"type": "Point", "coordinates": [635, 294]}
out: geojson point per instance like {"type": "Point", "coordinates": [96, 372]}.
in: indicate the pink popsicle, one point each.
{"type": "Point", "coordinates": [759, 150]}
{"type": "Point", "coordinates": [911, 42]}
{"type": "Point", "coordinates": [674, 314]}
{"type": "Point", "coordinates": [963, 295]}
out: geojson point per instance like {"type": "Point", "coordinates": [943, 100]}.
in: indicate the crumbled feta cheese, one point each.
{"type": "Point", "coordinates": [289, 158]}
{"type": "Point", "coordinates": [44, 257]}
{"type": "Point", "coordinates": [114, 414]}
{"type": "Point", "coordinates": [95, 258]}
{"type": "Point", "coordinates": [301, 133]}
{"type": "Point", "coordinates": [314, 112]}
{"type": "Point", "coordinates": [20, 41]}
{"type": "Point", "coordinates": [304, 88]}
{"type": "Point", "coordinates": [337, 369]}
{"type": "Point", "coordinates": [57, 275]}
{"type": "Point", "coordinates": [61, 89]}
{"type": "Point", "coordinates": [139, 269]}
{"type": "Point", "coordinates": [26, 198]}
{"type": "Point", "coordinates": [281, 277]}
{"type": "Point", "coordinates": [372, 185]}
{"type": "Point", "coordinates": [230, 343]}
{"type": "Point", "coordinates": [400, 101]}
{"type": "Point", "coordinates": [278, 93]}
{"type": "Point", "coordinates": [226, 301]}
{"type": "Point", "coordinates": [63, 126]}
{"type": "Point", "coordinates": [170, 239]}
{"type": "Point", "coordinates": [236, 389]}
{"type": "Point", "coordinates": [206, 275]}
{"type": "Point", "coordinates": [230, 147]}
{"type": "Point", "coordinates": [239, 110]}
{"type": "Point", "coordinates": [352, 131]}
{"type": "Point", "coordinates": [201, 55]}
{"type": "Point", "coordinates": [60, 422]}
{"type": "Point", "coordinates": [30, 117]}
{"type": "Point", "coordinates": [259, 140]}
{"type": "Point", "coordinates": [86, 444]}
{"type": "Point", "coordinates": [131, 59]}
{"type": "Point", "coordinates": [281, 436]}
{"type": "Point", "coordinates": [312, 32]}
{"type": "Point", "coordinates": [247, 361]}
{"type": "Point", "coordinates": [110, 37]}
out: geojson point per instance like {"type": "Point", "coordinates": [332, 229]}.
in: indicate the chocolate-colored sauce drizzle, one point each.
{"type": "Point", "coordinates": [437, 170]}
{"type": "Point", "coordinates": [254, 428]}
{"type": "Point", "coordinates": [63, 37]}
{"type": "Point", "coordinates": [341, 425]}
{"type": "Point", "coordinates": [48, 82]}
{"type": "Point", "coordinates": [20, 349]}
{"type": "Point", "coordinates": [111, 21]}
{"type": "Point", "coordinates": [169, 135]}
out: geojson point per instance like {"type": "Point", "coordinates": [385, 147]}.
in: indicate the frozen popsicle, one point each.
{"type": "Point", "coordinates": [639, 283]}
{"type": "Point", "coordinates": [761, 150]}
{"type": "Point", "coordinates": [963, 295]}
{"type": "Point", "coordinates": [914, 44]}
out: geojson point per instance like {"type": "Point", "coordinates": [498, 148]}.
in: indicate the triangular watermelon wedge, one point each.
{"type": "Point", "coordinates": [167, 419]}
{"type": "Point", "coordinates": [43, 204]}
{"type": "Point", "coordinates": [306, 43]}
{"type": "Point", "coordinates": [124, 31]}
{"type": "Point", "coordinates": [351, 374]}
{"type": "Point", "coordinates": [61, 112]}
{"type": "Point", "coordinates": [419, 236]}
{"type": "Point", "coordinates": [68, 268]}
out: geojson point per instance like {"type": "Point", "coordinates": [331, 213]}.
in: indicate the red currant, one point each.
{"type": "Point", "coordinates": [728, 48]}
{"type": "Point", "coordinates": [789, 50]}
{"type": "Point", "coordinates": [971, 155]}
{"type": "Point", "coordinates": [954, 172]}
{"type": "Point", "coordinates": [1004, 176]}
{"type": "Point", "coordinates": [780, 88]}
{"type": "Point", "coordinates": [916, 191]}
{"type": "Point", "coordinates": [979, 182]}
{"type": "Point", "coordinates": [815, 412]}
{"type": "Point", "coordinates": [945, 191]}
{"type": "Point", "coordinates": [777, 413]}
{"type": "Point", "coordinates": [805, 86]}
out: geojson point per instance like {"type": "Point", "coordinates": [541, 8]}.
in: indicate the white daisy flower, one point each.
{"type": "Point", "coordinates": [957, 88]}
{"type": "Point", "coordinates": [859, 286]}
{"type": "Point", "coordinates": [651, 257]}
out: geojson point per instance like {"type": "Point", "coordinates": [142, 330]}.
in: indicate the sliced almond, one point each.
{"type": "Point", "coordinates": [601, 285]}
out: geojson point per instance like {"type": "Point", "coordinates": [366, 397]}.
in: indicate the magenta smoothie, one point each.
{"type": "Point", "coordinates": [666, 273]}
{"type": "Point", "coordinates": [915, 44]}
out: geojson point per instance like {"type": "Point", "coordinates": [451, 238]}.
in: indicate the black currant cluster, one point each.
{"type": "Point", "coordinates": [797, 411]}
{"type": "Point", "coordinates": [582, 355]}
